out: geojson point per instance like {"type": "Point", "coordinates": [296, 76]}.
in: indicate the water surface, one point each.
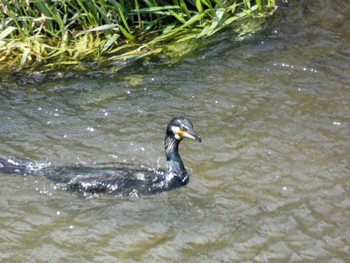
{"type": "Point", "coordinates": [270, 181]}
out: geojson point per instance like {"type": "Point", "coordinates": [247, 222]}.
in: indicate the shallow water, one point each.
{"type": "Point", "coordinates": [270, 181]}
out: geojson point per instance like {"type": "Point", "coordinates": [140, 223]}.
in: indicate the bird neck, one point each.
{"type": "Point", "coordinates": [175, 165]}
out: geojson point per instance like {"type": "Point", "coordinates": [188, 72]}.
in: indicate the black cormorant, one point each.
{"type": "Point", "coordinates": [119, 178]}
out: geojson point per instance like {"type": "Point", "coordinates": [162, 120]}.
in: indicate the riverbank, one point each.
{"type": "Point", "coordinates": [37, 34]}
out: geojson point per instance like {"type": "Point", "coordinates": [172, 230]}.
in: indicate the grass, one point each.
{"type": "Point", "coordinates": [66, 32]}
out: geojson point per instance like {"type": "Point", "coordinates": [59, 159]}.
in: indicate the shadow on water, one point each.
{"type": "Point", "coordinates": [269, 183]}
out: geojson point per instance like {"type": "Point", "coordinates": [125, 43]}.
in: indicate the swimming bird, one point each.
{"type": "Point", "coordinates": [119, 178]}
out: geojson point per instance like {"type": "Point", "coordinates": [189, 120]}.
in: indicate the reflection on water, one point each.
{"type": "Point", "coordinates": [270, 182]}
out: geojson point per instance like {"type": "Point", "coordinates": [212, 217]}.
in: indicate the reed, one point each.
{"type": "Point", "coordinates": [65, 32]}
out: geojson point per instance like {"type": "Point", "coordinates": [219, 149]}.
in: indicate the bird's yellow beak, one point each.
{"type": "Point", "coordinates": [189, 134]}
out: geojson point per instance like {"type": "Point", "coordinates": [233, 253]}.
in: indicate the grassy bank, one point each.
{"type": "Point", "coordinates": [63, 32]}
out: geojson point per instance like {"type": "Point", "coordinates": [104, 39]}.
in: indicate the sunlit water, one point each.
{"type": "Point", "coordinates": [270, 181]}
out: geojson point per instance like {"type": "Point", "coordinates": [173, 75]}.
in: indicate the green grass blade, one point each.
{"type": "Point", "coordinates": [103, 28]}
{"type": "Point", "coordinates": [178, 17]}
{"type": "Point", "coordinates": [6, 32]}
{"type": "Point", "coordinates": [199, 6]}
{"type": "Point", "coordinates": [126, 33]}
{"type": "Point", "coordinates": [25, 57]}
{"type": "Point", "coordinates": [155, 9]}
{"type": "Point", "coordinates": [110, 42]}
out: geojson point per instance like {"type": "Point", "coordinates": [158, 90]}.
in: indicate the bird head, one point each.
{"type": "Point", "coordinates": [182, 128]}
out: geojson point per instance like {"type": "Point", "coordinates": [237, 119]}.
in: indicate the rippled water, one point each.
{"type": "Point", "coordinates": [270, 181]}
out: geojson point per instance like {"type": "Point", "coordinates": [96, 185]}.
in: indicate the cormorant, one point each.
{"type": "Point", "coordinates": [119, 178]}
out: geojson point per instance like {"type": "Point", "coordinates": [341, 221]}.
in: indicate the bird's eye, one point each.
{"type": "Point", "coordinates": [182, 128]}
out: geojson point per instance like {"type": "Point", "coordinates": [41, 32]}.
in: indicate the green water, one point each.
{"type": "Point", "coordinates": [269, 183]}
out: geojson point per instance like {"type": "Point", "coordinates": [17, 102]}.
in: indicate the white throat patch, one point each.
{"type": "Point", "coordinates": [176, 130]}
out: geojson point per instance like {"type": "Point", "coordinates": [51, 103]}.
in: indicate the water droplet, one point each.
{"type": "Point", "coordinates": [336, 123]}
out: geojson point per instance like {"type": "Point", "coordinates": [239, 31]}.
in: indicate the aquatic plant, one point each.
{"type": "Point", "coordinates": [43, 32]}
